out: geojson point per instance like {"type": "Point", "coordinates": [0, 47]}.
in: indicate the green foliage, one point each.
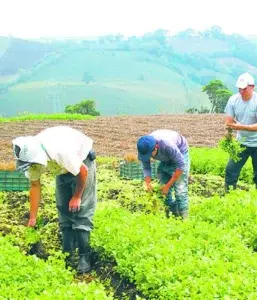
{"type": "Point", "coordinates": [236, 212]}
{"type": "Point", "coordinates": [218, 95]}
{"type": "Point", "coordinates": [169, 259]}
{"type": "Point", "coordinates": [112, 187]}
{"type": "Point", "coordinates": [230, 145]}
{"type": "Point", "coordinates": [85, 107]}
{"type": "Point", "coordinates": [213, 161]}
{"type": "Point", "coordinates": [222, 95]}
{"type": "Point", "coordinates": [208, 256]}
{"type": "Point", "coordinates": [27, 277]}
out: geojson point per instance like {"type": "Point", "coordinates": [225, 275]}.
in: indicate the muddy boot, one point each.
{"type": "Point", "coordinates": [69, 246]}
{"type": "Point", "coordinates": [84, 265]}
{"type": "Point", "coordinates": [229, 187]}
{"type": "Point", "coordinates": [184, 214]}
{"type": "Point", "coordinates": [175, 213]}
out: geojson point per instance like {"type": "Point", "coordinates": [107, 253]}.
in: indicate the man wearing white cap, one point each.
{"type": "Point", "coordinates": [66, 153]}
{"type": "Point", "coordinates": [241, 115]}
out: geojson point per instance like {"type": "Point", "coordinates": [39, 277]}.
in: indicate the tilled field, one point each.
{"type": "Point", "coordinates": [117, 136]}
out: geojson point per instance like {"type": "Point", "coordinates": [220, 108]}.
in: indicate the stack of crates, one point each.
{"type": "Point", "coordinates": [134, 169]}
{"type": "Point", "coordinates": [13, 181]}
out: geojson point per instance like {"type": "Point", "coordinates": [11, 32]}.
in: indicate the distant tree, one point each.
{"type": "Point", "coordinates": [191, 110]}
{"type": "Point", "coordinates": [141, 77]}
{"type": "Point", "coordinates": [187, 33]}
{"type": "Point", "coordinates": [87, 77]}
{"type": "Point", "coordinates": [85, 107]}
{"type": "Point", "coordinates": [214, 32]}
{"type": "Point", "coordinates": [223, 96]}
{"type": "Point", "coordinates": [218, 95]}
{"type": "Point", "coordinates": [201, 110]}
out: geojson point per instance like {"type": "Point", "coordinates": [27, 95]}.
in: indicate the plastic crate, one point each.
{"type": "Point", "coordinates": [134, 170]}
{"type": "Point", "coordinates": [13, 181]}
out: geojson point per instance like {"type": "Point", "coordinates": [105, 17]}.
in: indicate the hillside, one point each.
{"type": "Point", "coordinates": [117, 136]}
{"type": "Point", "coordinates": [153, 74]}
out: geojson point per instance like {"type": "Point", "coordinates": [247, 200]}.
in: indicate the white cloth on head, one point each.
{"type": "Point", "coordinates": [31, 150]}
{"type": "Point", "coordinates": [64, 145]}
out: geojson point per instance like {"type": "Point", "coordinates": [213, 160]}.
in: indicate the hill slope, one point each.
{"type": "Point", "coordinates": [152, 74]}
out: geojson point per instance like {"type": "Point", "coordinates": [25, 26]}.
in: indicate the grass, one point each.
{"type": "Point", "coordinates": [40, 117]}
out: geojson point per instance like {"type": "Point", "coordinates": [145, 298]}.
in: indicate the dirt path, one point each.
{"type": "Point", "coordinates": [118, 135]}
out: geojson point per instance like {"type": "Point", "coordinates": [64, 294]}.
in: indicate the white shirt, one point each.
{"type": "Point", "coordinates": [65, 146]}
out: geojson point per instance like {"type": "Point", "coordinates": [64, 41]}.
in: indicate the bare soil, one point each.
{"type": "Point", "coordinates": [117, 136]}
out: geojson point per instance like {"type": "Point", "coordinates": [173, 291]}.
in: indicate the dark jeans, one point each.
{"type": "Point", "coordinates": [233, 169]}
{"type": "Point", "coordinates": [165, 172]}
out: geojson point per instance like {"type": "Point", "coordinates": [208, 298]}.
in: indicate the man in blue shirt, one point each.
{"type": "Point", "coordinates": [171, 149]}
{"type": "Point", "coordinates": [241, 115]}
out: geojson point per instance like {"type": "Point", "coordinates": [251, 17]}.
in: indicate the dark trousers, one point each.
{"type": "Point", "coordinates": [233, 169]}
{"type": "Point", "coordinates": [65, 188]}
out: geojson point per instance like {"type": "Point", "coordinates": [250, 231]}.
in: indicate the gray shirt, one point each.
{"type": "Point", "coordinates": [172, 146]}
{"type": "Point", "coordinates": [245, 112]}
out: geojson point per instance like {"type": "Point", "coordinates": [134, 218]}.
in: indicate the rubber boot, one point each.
{"type": "Point", "coordinates": [84, 265]}
{"type": "Point", "coordinates": [228, 187]}
{"type": "Point", "coordinates": [69, 246]}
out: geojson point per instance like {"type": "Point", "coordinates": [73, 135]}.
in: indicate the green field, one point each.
{"type": "Point", "coordinates": [142, 254]}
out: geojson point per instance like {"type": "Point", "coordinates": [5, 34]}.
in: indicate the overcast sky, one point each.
{"type": "Point", "coordinates": [84, 18]}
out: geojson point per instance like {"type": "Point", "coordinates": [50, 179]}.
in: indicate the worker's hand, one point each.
{"type": "Point", "coordinates": [74, 204]}
{"type": "Point", "coordinates": [236, 125]}
{"type": "Point", "coordinates": [149, 187]}
{"type": "Point", "coordinates": [32, 222]}
{"type": "Point", "coordinates": [165, 189]}
{"type": "Point", "coordinates": [148, 184]}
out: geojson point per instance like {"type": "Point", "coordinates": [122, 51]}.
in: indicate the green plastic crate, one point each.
{"type": "Point", "coordinates": [13, 181]}
{"type": "Point", "coordinates": [134, 170]}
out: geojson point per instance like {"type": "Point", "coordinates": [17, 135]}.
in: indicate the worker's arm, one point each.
{"type": "Point", "coordinates": [147, 174]}
{"type": "Point", "coordinates": [176, 157]}
{"type": "Point", "coordinates": [239, 126]}
{"type": "Point", "coordinates": [35, 196]}
{"type": "Point", "coordinates": [232, 123]}
{"type": "Point", "coordinates": [81, 178]}
{"type": "Point", "coordinates": [174, 178]}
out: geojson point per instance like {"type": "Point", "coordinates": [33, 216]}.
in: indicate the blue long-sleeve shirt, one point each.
{"type": "Point", "coordinates": [172, 146]}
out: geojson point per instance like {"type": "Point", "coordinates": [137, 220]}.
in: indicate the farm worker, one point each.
{"type": "Point", "coordinates": [67, 154]}
{"type": "Point", "coordinates": [241, 115]}
{"type": "Point", "coordinates": [172, 150]}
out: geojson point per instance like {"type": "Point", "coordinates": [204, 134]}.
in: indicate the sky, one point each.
{"type": "Point", "coordinates": [84, 18]}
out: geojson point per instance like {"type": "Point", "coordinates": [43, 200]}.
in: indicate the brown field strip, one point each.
{"type": "Point", "coordinates": [116, 136]}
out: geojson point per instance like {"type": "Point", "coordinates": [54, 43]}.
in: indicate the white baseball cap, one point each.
{"type": "Point", "coordinates": [244, 80]}
{"type": "Point", "coordinates": [31, 151]}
